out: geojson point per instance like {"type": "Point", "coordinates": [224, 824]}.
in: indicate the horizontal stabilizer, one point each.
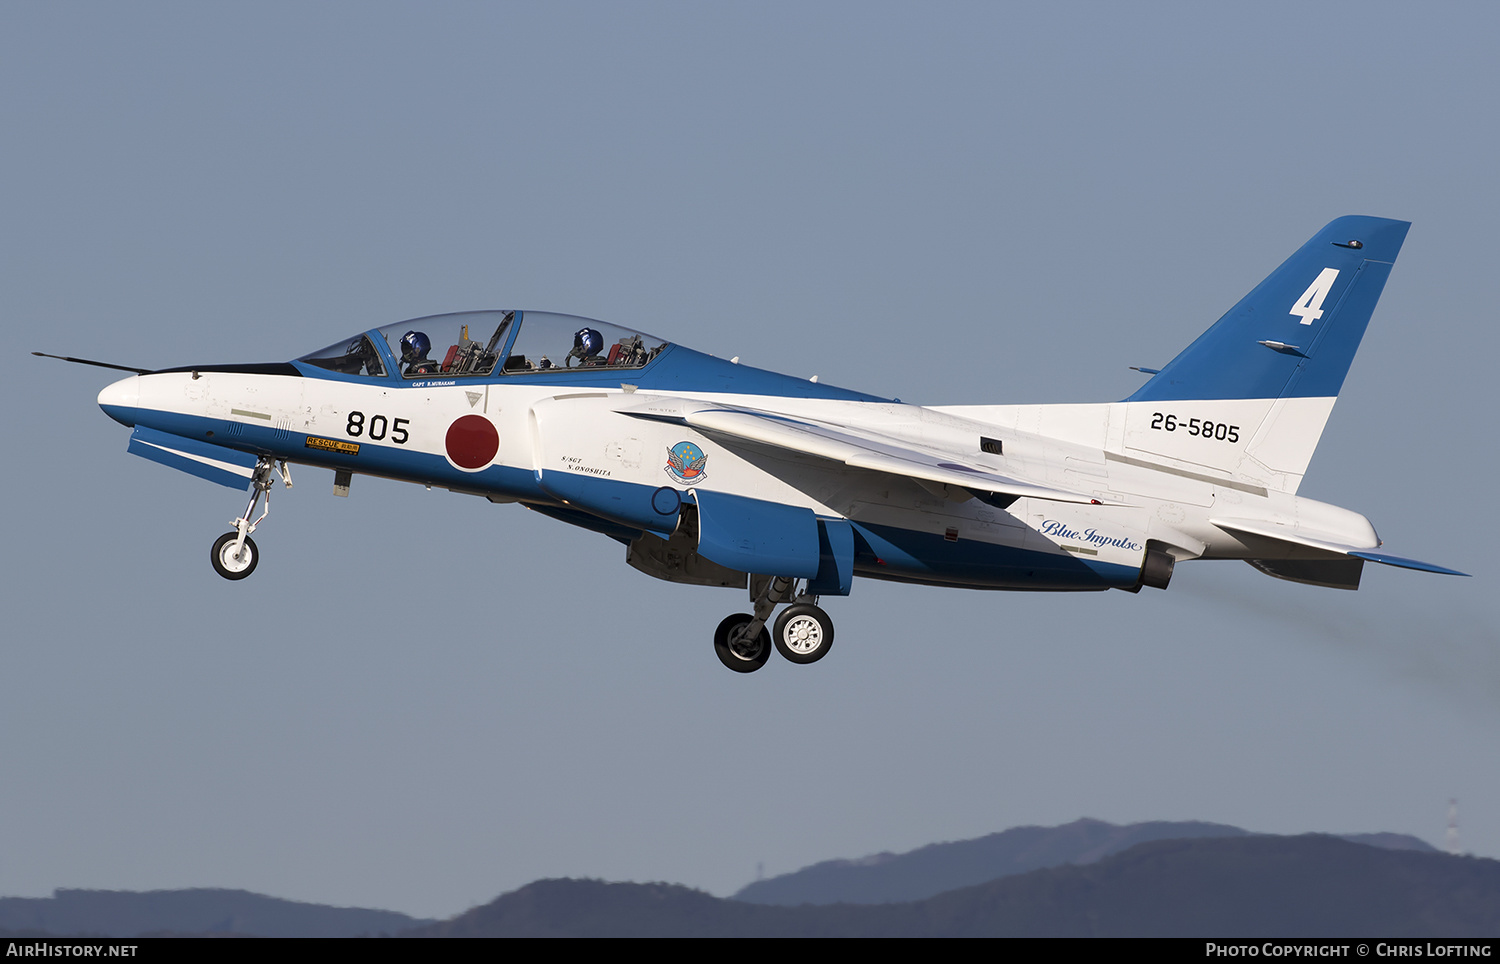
{"type": "Point", "coordinates": [866, 450]}
{"type": "Point", "coordinates": [1324, 542]}
{"type": "Point", "coordinates": [204, 459]}
{"type": "Point", "coordinates": [1332, 573]}
{"type": "Point", "coordinates": [1401, 562]}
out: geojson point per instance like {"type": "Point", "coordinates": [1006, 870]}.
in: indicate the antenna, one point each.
{"type": "Point", "coordinates": [1450, 840]}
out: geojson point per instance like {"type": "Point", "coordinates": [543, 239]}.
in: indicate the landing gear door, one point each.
{"type": "Point", "coordinates": [835, 559]}
{"type": "Point", "coordinates": [204, 459]}
{"type": "Point", "coordinates": [753, 535]}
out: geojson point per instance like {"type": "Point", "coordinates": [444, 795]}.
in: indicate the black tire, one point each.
{"type": "Point", "coordinates": [736, 653]}
{"type": "Point", "coordinates": [226, 565]}
{"type": "Point", "coordinates": [804, 633]}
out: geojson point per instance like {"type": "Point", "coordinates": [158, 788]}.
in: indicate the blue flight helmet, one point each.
{"type": "Point", "coordinates": [414, 347]}
{"type": "Point", "coordinates": [587, 342]}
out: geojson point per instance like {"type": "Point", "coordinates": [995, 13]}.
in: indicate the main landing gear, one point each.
{"type": "Point", "coordinates": [234, 554]}
{"type": "Point", "coordinates": [803, 633]}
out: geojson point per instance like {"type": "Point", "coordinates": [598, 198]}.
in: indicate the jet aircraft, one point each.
{"type": "Point", "coordinates": [714, 473]}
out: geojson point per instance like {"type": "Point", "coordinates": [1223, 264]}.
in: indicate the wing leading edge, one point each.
{"type": "Point", "coordinates": [864, 449]}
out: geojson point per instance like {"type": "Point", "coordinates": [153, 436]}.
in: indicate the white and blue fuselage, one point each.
{"type": "Point", "coordinates": [721, 474]}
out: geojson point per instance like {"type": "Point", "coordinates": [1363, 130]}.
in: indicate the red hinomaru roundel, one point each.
{"type": "Point", "coordinates": [472, 442]}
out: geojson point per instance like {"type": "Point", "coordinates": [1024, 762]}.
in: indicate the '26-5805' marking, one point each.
{"type": "Point", "coordinates": [1197, 427]}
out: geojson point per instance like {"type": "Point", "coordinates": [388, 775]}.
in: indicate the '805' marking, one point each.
{"type": "Point", "coordinates": [377, 429]}
{"type": "Point", "coordinates": [1196, 427]}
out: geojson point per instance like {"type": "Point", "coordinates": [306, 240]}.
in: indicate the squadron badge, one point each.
{"type": "Point", "coordinates": [685, 463]}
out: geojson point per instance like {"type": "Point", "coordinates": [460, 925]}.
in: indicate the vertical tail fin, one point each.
{"type": "Point", "coordinates": [1251, 395]}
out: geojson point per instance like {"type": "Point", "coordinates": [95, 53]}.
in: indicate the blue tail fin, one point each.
{"type": "Point", "coordinates": [1295, 335]}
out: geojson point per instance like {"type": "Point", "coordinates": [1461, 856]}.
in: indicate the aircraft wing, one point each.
{"type": "Point", "coordinates": [860, 449]}
{"type": "Point", "coordinates": [1314, 540]}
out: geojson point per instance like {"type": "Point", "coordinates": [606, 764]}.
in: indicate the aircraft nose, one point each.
{"type": "Point", "coordinates": [121, 399]}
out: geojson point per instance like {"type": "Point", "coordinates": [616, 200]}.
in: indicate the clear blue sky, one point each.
{"type": "Point", "coordinates": [421, 700]}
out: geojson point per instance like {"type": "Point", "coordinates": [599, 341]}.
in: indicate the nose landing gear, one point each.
{"type": "Point", "coordinates": [232, 557]}
{"type": "Point", "coordinates": [235, 555]}
{"type": "Point", "coordinates": [803, 633]}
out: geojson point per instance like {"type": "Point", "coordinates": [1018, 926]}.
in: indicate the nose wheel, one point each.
{"type": "Point", "coordinates": [234, 555]}
{"type": "Point", "coordinates": [234, 560]}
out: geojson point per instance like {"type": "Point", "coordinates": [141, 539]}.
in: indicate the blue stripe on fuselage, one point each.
{"type": "Point", "coordinates": [372, 459]}
{"type": "Point", "coordinates": [905, 555]}
{"type": "Point", "coordinates": [881, 552]}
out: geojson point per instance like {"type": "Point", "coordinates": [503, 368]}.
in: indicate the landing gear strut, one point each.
{"type": "Point", "coordinates": [234, 554]}
{"type": "Point", "coordinates": [803, 633]}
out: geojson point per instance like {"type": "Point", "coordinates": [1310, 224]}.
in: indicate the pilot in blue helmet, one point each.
{"type": "Point", "coordinates": [414, 348]}
{"type": "Point", "coordinates": [587, 343]}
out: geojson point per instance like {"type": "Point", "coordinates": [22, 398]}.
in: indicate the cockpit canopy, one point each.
{"type": "Point", "coordinates": [472, 343]}
{"type": "Point", "coordinates": [352, 356]}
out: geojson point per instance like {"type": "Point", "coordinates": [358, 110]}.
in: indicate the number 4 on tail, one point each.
{"type": "Point", "coordinates": [1310, 305]}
